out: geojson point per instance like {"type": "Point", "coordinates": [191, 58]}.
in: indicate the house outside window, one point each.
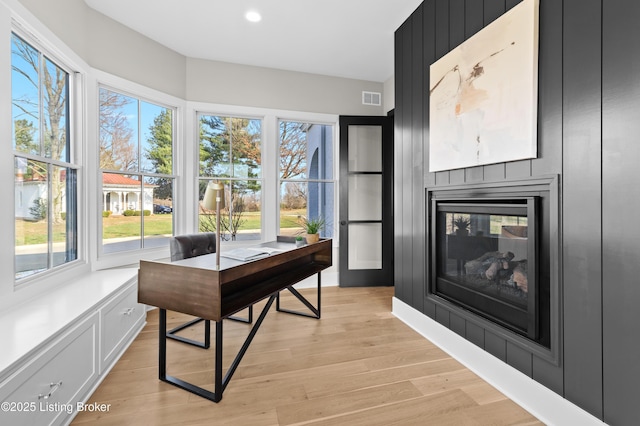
{"type": "Point", "coordinates": [230, 152]}
{"type": "Point", "coordinates": [136, 172]}
{"type": "Point", "coordinates": [45, 174]}
{"type": "Point", "coordinates": [306, 176]}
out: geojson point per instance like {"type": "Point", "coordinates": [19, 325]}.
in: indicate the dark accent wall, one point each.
{"type": "Point", "coordinates": [588, 130]}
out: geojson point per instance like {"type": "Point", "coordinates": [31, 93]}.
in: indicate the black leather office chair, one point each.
{"type": "Point", "coordinates": [184, 247]}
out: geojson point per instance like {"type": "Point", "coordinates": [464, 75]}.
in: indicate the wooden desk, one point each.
{"type": "Point", "coordinates": [196, 287]}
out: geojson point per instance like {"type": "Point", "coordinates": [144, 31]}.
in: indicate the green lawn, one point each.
{"type": "Point", "coordinates": [28, 233]}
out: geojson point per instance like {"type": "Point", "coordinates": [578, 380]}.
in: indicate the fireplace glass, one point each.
{"type": "Point", "coordinates": [486, 260]}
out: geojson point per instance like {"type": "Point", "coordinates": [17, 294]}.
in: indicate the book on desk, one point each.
{"type": "Point", "coordinates": [250, 253]}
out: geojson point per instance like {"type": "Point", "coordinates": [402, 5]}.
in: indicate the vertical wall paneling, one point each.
{"type": "Point", "coordinates": [550, 77]}
{"type": "Point", "coordinates": [495, 345]}
{"type": "Point", "coordinates": [519, 359]}
{"type": "Point", "coordinates": [407, 159]}
{"type": "Point", "coordinates": [442, 28]}
{"type": "Point", "coordinates": [457, 324]}
{"type": "Point", "coordinates": [492, 10]}
{"type": "Point", "coordinates": [442, 315]}
{"type": "Point", "coordinates": [473, 17]}
{"type": "Point", "coordinates": [581, 204]}
{"type": "Point", "coordinates": [398, 280]}
{"type": "Point", "coordinates": [596, 178]}
{"type": "Point", "coordinates": [402, 120]}
{"type": "Point", "coordinates": [550, 141]}
{"type": "Point", "coordinates": [456, 37]}
{"type": "Point", "coordinates": [400, 284]}
{"type": "Point", "coordinates": [510, 3]}
{"type": "Point", "coordinates": [474, 174]}
{"type": "Point", "coordinates": [416, 166]}
{"type": "Point", "coordinates": [588, 109]}
{"type": "Point", "coordinates": [441, 41]}
{"type": "Point", "coordinates": [620, 200]}
{"type": "Point", "coordinates": [518, 169]}
{"type": "Point", "coordinates": [429, 46]}
{"type": "Point", "coordinates": [456, 23]}
{"type": "Point", "coordinates": [475, 334]}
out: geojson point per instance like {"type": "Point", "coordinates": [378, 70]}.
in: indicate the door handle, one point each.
{"type": "Point", "coordinates": [343, 222]}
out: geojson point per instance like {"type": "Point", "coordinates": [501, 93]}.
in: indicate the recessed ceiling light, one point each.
{"type": "Point", "coordinates": [253, 16]}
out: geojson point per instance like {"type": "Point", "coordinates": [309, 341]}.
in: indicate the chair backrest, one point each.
{"type": "Point", "coordinates": [192, 245]}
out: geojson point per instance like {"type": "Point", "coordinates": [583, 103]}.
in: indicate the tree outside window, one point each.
{"type": "Point", "coordinates": [45, 177]}
{"type": "Point", "coordinates": [136, 163]}
{"type": "Point", "coordinates": [230, 152]}
{"type": "Point", "coordinates": [306, 176]}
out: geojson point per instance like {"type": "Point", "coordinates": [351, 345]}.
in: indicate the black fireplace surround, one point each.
{"type": "Point", "coordinates": [488, 257]}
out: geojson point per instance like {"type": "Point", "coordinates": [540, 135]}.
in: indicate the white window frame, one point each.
{"type": "Point", "coordinates": [270, 160]}
{"type": "Point", "coordinates": [335, 174]}
{"type": "Point", "coordinates": [14, 18]}
{"type": "Point", "coordinates": [100, 260]}
{"type": "Point", "coordinates": [261, 179]}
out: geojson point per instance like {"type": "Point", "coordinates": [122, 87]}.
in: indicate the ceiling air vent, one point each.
{"type": "Point", "coordinates": [371, 98]}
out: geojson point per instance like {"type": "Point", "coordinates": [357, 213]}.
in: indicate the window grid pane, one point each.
{"type": "Point", "coordinates": [231, 148]}
{"type": "Point", "coordinates": [45, 183]}
{"type": "Point", "coordinates": [306, 176]}
{"type": "Point", "coordinates": [136, 159]}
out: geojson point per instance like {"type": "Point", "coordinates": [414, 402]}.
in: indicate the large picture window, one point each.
{"type": "Point", "coordinates": [231, 153]}
{"type": "Point", "coordinates": [307, 186]}
{"type": "Point", "coordinates": [136, 172]}
{"type": "Point", "coordinates": [46, 230]}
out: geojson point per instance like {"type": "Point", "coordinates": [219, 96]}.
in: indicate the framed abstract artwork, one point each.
{"type": "Point", "coordinates": [483, 95]}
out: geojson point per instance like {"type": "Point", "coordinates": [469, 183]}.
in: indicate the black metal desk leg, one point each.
{"type": "Point", "coordinates": [162, 344]}
{"type": "Point", "coordinates": [218, 389]}
{"type": "Point", "coordinates": [315, 311]}
{"type": "Point", "coordinates": [220, 381]}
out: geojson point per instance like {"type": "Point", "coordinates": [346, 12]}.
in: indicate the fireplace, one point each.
{"type": "Point", "coordinates": [485, 259]}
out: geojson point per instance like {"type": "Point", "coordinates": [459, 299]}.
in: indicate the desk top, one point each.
{"type": "Point", "coordinates": [196, 287]}
{"type": "Point", "coordinates": [208, 261]}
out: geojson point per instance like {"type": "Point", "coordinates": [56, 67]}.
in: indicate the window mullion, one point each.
{"type": "Point", "coordinates": [50, 253]}
{"type": "Point", "coordinates": [41, 104]}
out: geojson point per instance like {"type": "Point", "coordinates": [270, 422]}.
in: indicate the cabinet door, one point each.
{"type": "Point", "coordinates": [120, 317]}
{"type": "Point", "coordinates": [47, 390]}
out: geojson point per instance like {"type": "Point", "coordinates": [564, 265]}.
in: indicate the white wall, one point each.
{"type": "Point", "coordinates": [389, 95]}
{"type": "Point", "coordinates": [111, 47]}
{"type": "Point", "coordinates": [233, 84]}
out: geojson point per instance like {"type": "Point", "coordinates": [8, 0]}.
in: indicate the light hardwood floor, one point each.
{"type": "Point", "coordinates": [358, 365]}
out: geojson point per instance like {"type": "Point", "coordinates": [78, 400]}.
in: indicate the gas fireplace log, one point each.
{"type": "Point", "coordinates": [489, 264]}
{"type": "Point", "coordinates": [499, 267]}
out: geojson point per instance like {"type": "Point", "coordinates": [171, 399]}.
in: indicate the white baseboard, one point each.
{"type": "Point", "coordinates": [546, 405]}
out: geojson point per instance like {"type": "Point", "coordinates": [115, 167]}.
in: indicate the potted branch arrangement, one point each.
{"type": "Point", "coordinates": [462, 226]}
{"type": "Point", "coordinates": [312, 227]}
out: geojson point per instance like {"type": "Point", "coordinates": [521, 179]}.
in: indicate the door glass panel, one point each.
{"type": "Point", "coordinates": [365, 148]}
{"type": "Point", "coordinates": [365, 195]}
{"type": "Point", "coordinates": [365, 246]}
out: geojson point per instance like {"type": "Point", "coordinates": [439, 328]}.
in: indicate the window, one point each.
{"type": "Point", "coordinates": [230, 152]}
{"type": "Point", "coordinates": [306, 176]}
{"type": "Point", "coordinates": [46, 230]}
{"type": "Point", "coordinates": [137, 176]}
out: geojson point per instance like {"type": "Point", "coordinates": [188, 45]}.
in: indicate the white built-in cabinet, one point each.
{"type": "Point", "coordinates": [60, 346]}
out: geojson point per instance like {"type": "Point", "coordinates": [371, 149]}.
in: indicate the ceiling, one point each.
{"type": "Point", "coordinates": [343, 38]}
